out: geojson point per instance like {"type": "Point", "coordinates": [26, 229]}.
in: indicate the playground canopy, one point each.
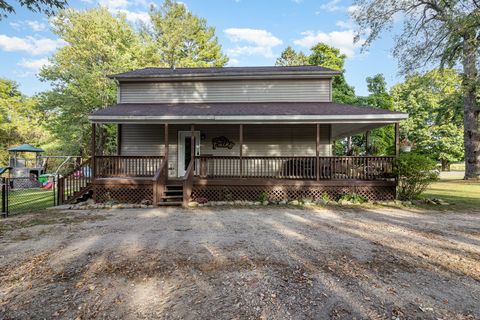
{"type": "Point", "coordinates": [25, 148]}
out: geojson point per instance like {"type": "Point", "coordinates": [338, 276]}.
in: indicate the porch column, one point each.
{"type": "Point", "coordinates": [93, 147]}
{"type": "Point", "coordinates": [367, 138]}
{"type": "Point", "coordinates": [397, 139]}
{"type": "Point", "coordinates": [192, 142]}
{"type": "Point", "coordinates": [241, 149]}
{"type": "Point", "coordinates": [165, 141]}
{"type": "Point", "coordinates": [119, 139]}
{"type": "Point", "coordinates": [317, 152]}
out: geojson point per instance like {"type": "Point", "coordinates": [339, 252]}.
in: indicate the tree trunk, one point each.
{"type": "Point", "coordinates": [471, 111]}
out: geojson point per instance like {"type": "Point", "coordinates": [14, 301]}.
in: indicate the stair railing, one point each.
{"type": "Point", "coordinates": [188, 182]}
{"type": "Point", "coordinates": [74, 182]}
{"type": "Point", "coordinates": [159, 181]}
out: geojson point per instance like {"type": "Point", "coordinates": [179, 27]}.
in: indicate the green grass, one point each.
{"type": "Point", "coordinates": [26, 200]}
{"type": "Point", "coordinates": [462, 194]}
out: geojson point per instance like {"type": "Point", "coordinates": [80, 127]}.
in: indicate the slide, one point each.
{"type": "Point", "coordinates": [4, 169]}
{"type": "Point", "coordinates": [47, 185]}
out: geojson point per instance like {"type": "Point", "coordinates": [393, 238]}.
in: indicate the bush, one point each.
{"type": "Point", "coordinates": [262, 197]}
{"type": "Point", "coordinates": [414, 173]}
{"type": "Point", "coordinates": [353, 198]}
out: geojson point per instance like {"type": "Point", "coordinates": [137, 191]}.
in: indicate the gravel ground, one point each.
{"type": "Point", "coordinates": [249, 263]}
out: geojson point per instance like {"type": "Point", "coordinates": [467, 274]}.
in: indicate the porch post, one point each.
{"type": "Point", "coordinates": [397, 139]}
{"type": "Point", "coordinates": [192, 142]}
{"type": "Point", "coordinates": [367, 138]}
{"type": "Point", "coordinates": [119, 139]}
{"type": "Point", "coordinates": [93, 148]}
{"type": "Point", "coordinates": [317, 152]}
{"type": "Point", "coordinates": [241, 149]}
{"type": "Point", "coordinates": [165, 151]}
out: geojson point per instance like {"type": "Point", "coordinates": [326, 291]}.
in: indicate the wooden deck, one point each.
{"type": "Point", "coordinates": [133, 179]}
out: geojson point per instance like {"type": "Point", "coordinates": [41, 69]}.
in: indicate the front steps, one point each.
{"type": "Point", "coordinates": [173, 194]}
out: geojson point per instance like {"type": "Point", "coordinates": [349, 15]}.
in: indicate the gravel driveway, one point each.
{"type": "Point", "coordinates": [250, 263]}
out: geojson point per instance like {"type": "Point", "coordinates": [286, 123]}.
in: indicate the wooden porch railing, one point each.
{"type": "Point", "coordinates": [127, 166]}
{"type": "Point", "coordinates": [187, 181]}
{"type": "Point", "coordinates": [75, 182]}
{"type": "Point", "coordinates": [301, 168]}
{"type": "Point", "coordinates": [159, 181]}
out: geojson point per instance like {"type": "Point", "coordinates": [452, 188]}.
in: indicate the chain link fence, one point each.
{"type": "Point", "coordinates": [19, 195]}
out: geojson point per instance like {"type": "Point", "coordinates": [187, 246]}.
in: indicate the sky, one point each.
{"type": "Point", "coordinates": [251, 32]}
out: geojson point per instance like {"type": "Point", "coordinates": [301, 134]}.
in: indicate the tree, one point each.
{"type": "Point", "coordinates": [18, 119]}
{"type": "Point", "coordinates": [96, 44]}
{"type": "Point", "coordinates": [444, 32]}
{"type": "Point", "coordinates": [45, 6]}
{"type": "Point", "coordinates": [182, 39]}
{"type": "Point", "coordinates": [289, 57]}
{"type": "Point", "coordinates": [330, 57]}
{"type": "Point", "coordinates": [431, 100]}
{"type": "Point", "coordinates": [381, 139]}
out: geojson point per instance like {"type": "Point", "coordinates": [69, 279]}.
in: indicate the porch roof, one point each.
{"type": "Point", "coordinates": [245, 112]}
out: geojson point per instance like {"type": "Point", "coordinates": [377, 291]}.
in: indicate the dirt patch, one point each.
{"type": "Point", "coordinates": [241, 263]}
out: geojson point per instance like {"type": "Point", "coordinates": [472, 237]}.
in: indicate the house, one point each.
{"type": "Point", "coordinates": [233, 133]}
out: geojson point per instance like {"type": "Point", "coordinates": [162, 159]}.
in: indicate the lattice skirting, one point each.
{"type": "Point", "coordinates": [278, 193]}
{"type": "Point", "coordinates": [123, 193]}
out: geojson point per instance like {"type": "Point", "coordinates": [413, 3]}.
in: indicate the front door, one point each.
{"type": "Point", "coordinates": [185, 149]}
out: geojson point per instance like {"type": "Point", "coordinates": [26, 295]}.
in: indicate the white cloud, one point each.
{"type": "Point", "coordinates": [342, 40]}
{"type": "Point", "coordinates": [32, 45]}
{"type": "Point", "coordinates": [139, 16]}
{"type": "Point", "coordinates": [34, 64]}
{"type": "Point", "coordinates": [352, 9]}
{"type": "Point", "coordinates": [36, 26]}
{"type": "Point", "coordinates": [114, 4]}
{"type": "Point", "coordinates": [256, 41]}
{"type": "Point", "coordinates": [31, 24]}
{"type": "Point", "coordinates": [121, 6]}
{"type": "Point", "coordinates": [233, 62]}
{"type": "Point", "coordinates": [344, 24]}
{"type": "Point", "coordinates": [333, 5]}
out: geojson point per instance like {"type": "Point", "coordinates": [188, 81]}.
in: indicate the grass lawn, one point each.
{"type": "Point", "coordinates": [463, 194]}
{"type": "Point", "coordinates": [24, 200]}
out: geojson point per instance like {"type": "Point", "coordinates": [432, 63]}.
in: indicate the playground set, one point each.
{"type": "Point", "coordinates": [31, 172]}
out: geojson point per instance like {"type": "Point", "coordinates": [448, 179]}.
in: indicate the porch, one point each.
{"type": "Point", "coordinates": [171, 153]}
{"type": "Point", "coordinates": [199, 174]}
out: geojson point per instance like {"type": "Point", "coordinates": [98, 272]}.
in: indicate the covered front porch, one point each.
{"type": "Point", "coordinates": [237, 162]}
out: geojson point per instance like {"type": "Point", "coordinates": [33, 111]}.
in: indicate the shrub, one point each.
{"type": "Point", "coordinates": [414, 173]}
{"type": "Point", "coordinates": [353, 198]}
{"type": "Point", "coordinates": [262, 197]}
{"type": "Point", "coordinates": [326, 197]}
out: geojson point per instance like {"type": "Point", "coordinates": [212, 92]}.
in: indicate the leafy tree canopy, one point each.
{"type": "Point", "coordinates": [443, 32]}
{"type": "Point", "coordinates": [289, 57]}
{"type": "Point", "coordinates": [19, 119]}
{"type": "Point", "coordinates": [182, 39]}
{"type": "Point", "coordinates": [431, 99]}
{"type": "Point", "coordinates": [96, 44]}
{"type": "Point", "coordinates": [45, 6]}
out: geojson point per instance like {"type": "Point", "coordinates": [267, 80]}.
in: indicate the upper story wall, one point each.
{"type": "Point", "coordinates": [251, 90]}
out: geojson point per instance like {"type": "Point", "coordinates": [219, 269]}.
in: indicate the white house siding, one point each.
{"type": "Point", "coordinates": [259, 140]}
{"type": "Point", "coordinates": [309, 90]}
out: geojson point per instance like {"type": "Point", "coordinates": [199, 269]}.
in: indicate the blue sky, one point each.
{"type": "Point", "coordinates": [252, 32]}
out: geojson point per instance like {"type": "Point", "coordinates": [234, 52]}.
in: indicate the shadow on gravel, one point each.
{"type": "Point", "coordinates": [248, 263]}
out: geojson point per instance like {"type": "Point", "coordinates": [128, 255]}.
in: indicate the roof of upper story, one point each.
{"type": "Point", "coordinates": [214, 73]}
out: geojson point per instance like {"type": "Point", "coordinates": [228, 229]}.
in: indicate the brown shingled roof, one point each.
{"type": "Point", "coordinates": [239, 109]}
{"type": "Point", "coordinates": [152, 72]}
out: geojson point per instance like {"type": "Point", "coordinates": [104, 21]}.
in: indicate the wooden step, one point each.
{"type": "Point", "coordinates": [173, 197]}
{"type": "Point", "coordinates": [170, 203]}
